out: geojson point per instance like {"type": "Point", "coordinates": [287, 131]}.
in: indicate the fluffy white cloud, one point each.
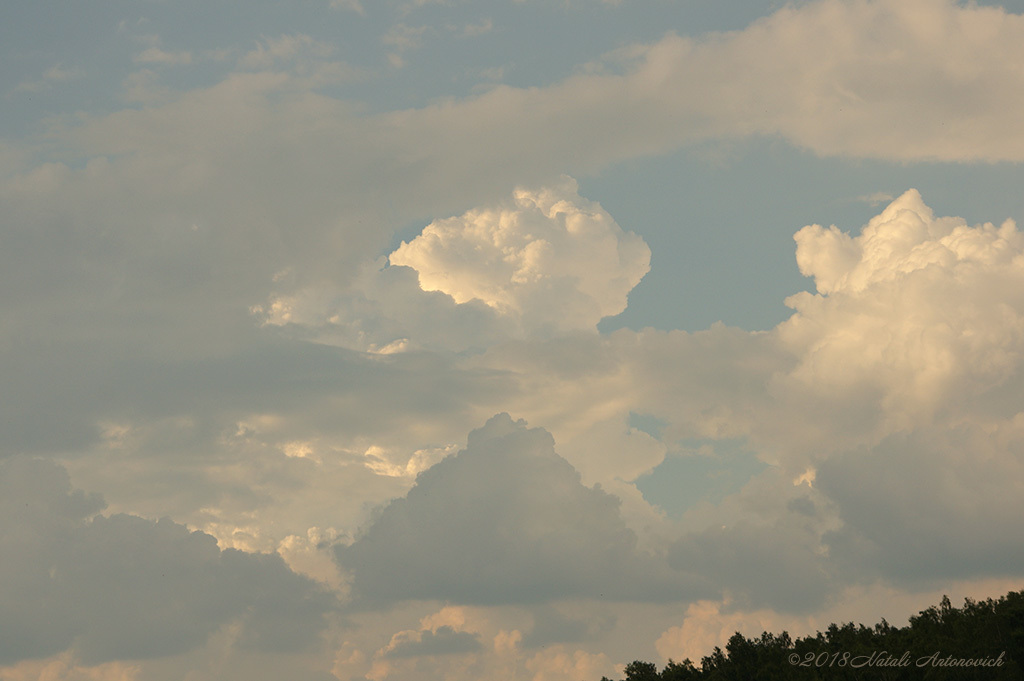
{"type": "Point", "coordinates": [546, 263]}
{"type": "Point", "coordinates": [552, 260]}
{"type": "Point", "coordinates": [718, 383]}
{"type": "Point", "coordinates": [924, 313]}
{"type": "Point", "coordinates": [220, 188]}
{"type": "Point", "coordinates": [274, 175]}
{"type": "Point", "coordinates": [858, 361]}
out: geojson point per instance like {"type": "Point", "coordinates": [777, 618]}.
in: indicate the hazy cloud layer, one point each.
{"type": "Point", "coordinates": [932, 504]}
{"type": "Point", "coordinates": [122, 587]}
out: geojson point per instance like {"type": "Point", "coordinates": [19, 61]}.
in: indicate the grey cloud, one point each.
{"type": "Point", "coordinates": [443, 641]}
{"type": "Point", "coordinates": [803, 506]}
{"type": "Point", "coordinates": [128, 588]}
{"type": "Point", "coordinates": [181, 454]}
{"type": "Point", "coordinates": [777, 565]}
{"type": "Point", "coordinates": [551, 626]}
{"type": "Point", "coordinates": [935, 503]}
{"type": "Point", "coordinates": [504, 521]}
{"type": "Point", "coordinates": [386, 307]}
{"type": "Point", "coordinates": [39, 513]}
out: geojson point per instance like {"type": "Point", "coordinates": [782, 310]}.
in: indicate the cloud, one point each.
{"type": "Point", "coordinates": [915, 328]}
{"type": "Point", "coordinates": [552, 260]}
{"type": "Point", "coordinates": [442, 641]}
{"type": "Point", "coordinates": [276, 177]}
{"type": "Point", "coordinates": [65, 667]}
{"type": "Point", "coordinates": [777, 565]}
{"type": "Point", "coordinates": [561, 662]}
{"type": "Point", "coordinates": [351, 5]}
{"type": "Point", "coordinates": [719, 383]}
{"type": "Point", "coordinates": [472, 30]}
{"type": "Point", "coordinates": [932, 504]}
{"type": "Point", "coordinates": [876, 198]}
{"type": "Point", "coordinates": [504, 521]}
{"type": "Point", "coordinates": [552, 626]}
{"type": "Point", "coordinates": [911, 81]}
{"type": "Point", "coordinates": [709, 384]}
{"type": "Point", "coordinates": [55, 74]}
{"type": "Point", "coordinates": [897, 412]}
{"type": "Point", "coordinates": [925, 313]}
{"type": "Point", "coordinates": [453, 642]}
{"type": "Point", "coordinates": [546, 263]}
{"type": "Point", "coordinates": [403, 37]}
{"type": "Point", "coordinates": [271, 51]}
{"type": "Point", "coordinates": [915, 320]}
{"type": "Point", "coordinates": [130, 344]}
{"type": "Point", "coordinates": [289, 173]}
{"type": "Point", "coordinates": [121, 587]}
{"type": "Point", "coordinates": [155, 55]}
{"type": "Point", "coordinates": [384, 311]}
{"type": "Point", "coordinates": [899, 415]}
{"type": "Point", "coordinates": [706, 626]}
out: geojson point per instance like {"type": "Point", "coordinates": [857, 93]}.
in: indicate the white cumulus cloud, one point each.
{"type": "Point", "coordinates": [924, 311]}
{"type": "Point", "coordinates": [550, 259]}
{"type": "Point", "coordinates": [545, 263]}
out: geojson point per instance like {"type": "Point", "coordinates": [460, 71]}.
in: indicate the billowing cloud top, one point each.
{"type": "Point", "coordinates": [544, 263]}
{"type": "Point", "coordinates": [905, 238]}
{"type": "Point", "coordinates": [506, 520]}
{"type": "Point", "coordinates": [921, 308]}
{"type": "Point", "coordinates": [551, 259]}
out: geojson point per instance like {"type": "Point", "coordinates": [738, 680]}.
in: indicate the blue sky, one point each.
{"type": "Point", "coordinates": [514, 339]}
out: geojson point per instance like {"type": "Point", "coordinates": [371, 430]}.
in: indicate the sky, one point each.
{"type": "Point", "coordinates": [505, 340]}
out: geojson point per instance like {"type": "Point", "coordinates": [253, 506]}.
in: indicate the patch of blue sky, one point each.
{"type": "Point", "coordinates": [445, 49]}
{"type": "Point", "coordinates": [647, 423]}
{"type": "Point", "coordinates": [701, 470]}
{"type": "Point", "coordinates": [720, 220]}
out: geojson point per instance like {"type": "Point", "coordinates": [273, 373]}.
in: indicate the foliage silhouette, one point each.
{"type": "Point", "coordinates": [928, 648]}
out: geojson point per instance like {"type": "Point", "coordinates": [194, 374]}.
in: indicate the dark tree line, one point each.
{"type": "Point", "coordinates": [983, 640]}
